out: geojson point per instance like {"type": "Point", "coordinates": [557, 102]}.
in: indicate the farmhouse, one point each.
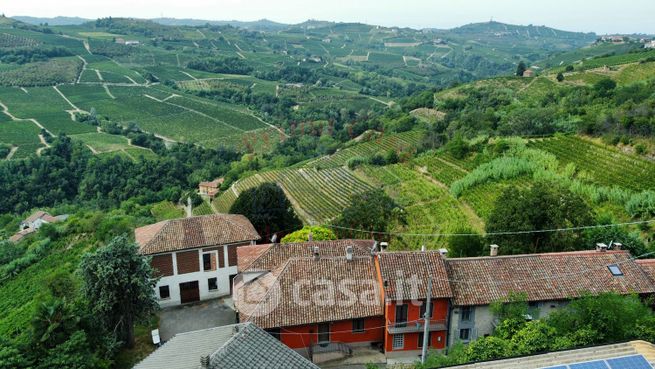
{"type": "Point", "coordinates": [196, 257]}
{"type": "Point", "coordinates": [131, 43]}
{"type": "Point", "coordinates": [404, 278]}
{"type": "Point", "coordinates": [210, 189]}
{"type": "Point", "coordinates": [39, 218]}
{"type": "Point", "coordinates": [528, 73]}
{"type": "Point", "coordinates": [297, 293]}
{"type": "Point", "coordinates": [548, 280]}
{"type": "Point", "coordinates": [649, 45]}
{"type": "Point", "coordinates": [231, 346]}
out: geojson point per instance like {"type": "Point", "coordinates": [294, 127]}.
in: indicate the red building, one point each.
{"type": "Point", "coordinates": [320, 298]}
{"type": "Point", "coordinates": [404, 278]}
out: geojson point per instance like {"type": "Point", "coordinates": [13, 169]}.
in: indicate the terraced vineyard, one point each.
{"type": "Point", "coordinates": [429, 208]}
{"type": "Point", "coordinates": [203, 209]}
{"type": "Point", "coordinates": [397, 142]}
{"type": "Point", "coordinates": [440, 169]}
{"type": "Point", "coordinates": [317, 195]}
{"type": "Point", "coordinates": [606, 165]}
{"type": "Point", "coordinates": [23, 134]}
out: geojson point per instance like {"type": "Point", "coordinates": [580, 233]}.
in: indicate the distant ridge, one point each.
{"type": "Point", "coordinates": [56, 21]}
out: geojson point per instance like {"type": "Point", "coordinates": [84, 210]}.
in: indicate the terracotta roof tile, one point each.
{"type": "Point", "coordinates": [648, 266]}
{"type": "Point", "coordinates": [194, 232]}
{"type": "Point", "coordinates": [554, 276]}
{"type": "Point", "coordinates": [307, 291]}
{"type": "Point", "coordinates": [401, 269]}
{"type": "Point", "coordinates": [278, 254]}
{"type": "Point", "coordinates": [246, 255]}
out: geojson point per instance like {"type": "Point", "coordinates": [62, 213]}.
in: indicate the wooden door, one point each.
{"type": "Point", "coordinates": [189, 292]}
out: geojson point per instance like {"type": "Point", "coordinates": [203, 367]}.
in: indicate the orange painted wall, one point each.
{"type": "Point", "coordinates": [341, 331]}
{"type": "Point", "coordinates": [440, 312]}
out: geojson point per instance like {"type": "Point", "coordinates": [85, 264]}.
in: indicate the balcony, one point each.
{"type": "Point", "coordinates": [413, 327]}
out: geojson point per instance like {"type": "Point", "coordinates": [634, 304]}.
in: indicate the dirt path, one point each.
{"type": "Point", "coordinates": [108, 92]}
{"type": "Point", "coordinates": [177, 56]}
{"type": "Point", "coordinates": [87, 47]}
{"type": "Point", "coordinates": [190, 76]}
{"type": "Point", "coordinates": [201, 34]}
{"type": "Point", "coordinates": [75, 108]}
{"type": "Point", "coordinates": [380, 101]}
{"type": "Point", "coordinates": [130, 78]}
{"type": "Point", "coordinates": [99, 75]}
{"type": "Point", "coordinates": [12, 151]}
{"type": "Point", "coordinates": [472, 216]}
{"type": "Point", "coordinates": [84, 64]}
{"type": "Point", "coordinates": [5, 110]}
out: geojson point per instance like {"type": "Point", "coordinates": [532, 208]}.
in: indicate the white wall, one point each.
{"type": "Point", "coordinates": [173, 282]}
{"type": "Point", "coordinates": [482, 322]}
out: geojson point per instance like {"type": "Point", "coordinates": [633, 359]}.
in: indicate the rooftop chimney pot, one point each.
{"type": "Point", "coordinates": [601, 247]}
{"type": "Point", "coordinates": [316, 252]}
{"type": "Point", "coordinates": [443, 252]}
{"type": "Point", "coordinates": [493, 250]}
{"type": "Point", "coordinates": [383, 246]}
{"type": "Point", "coordinates": [349, 253]}
{"type": "Point", "coordinates": [310, 237]}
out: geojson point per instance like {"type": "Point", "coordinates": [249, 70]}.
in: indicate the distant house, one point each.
{"type": "Point", "coordinates": [21, 234]}
{"type": "Point", "coordinates": [529, 73]}
{"type": "Point", "coordinates": [210, 189]}
{"type": "Point", "coordinates": [196, 257]}
{"type": "Point", "coordinates": [649, 44]}
{"type": "Point", "coordinates": [40, 218]}
{"type": "Point", "coordinates": [131, 43]}
{"type": "Point", "coordinates": [479, 281]}
{"type": "Point", "coordinates": [232, 346]}
{"type": "Point", "coordinates": [120, 40]}
{"type": "Point", "coordinates": [327, 40]}
{"type": "Point", "coordinates": [615, 39]}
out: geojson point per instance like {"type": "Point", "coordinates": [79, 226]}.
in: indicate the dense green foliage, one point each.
{"type": "Point", "coordinates": [542, 207]}
{"type": "Point", "coordinates": [232, 65]}
{"type": "Point", "coordinates": [590, 320]}
{"type": "Point", "coordinates": [303, 235]}
{"type": "Point", "coordinates": [268, 209]}
{"type": "Point", "coordinates": [369, 213]}
{"type": "Point", "coordinates": [119, 285]}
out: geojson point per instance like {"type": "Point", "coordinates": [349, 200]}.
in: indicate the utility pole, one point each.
{"type": "Point", "coordinates": [426, 322]}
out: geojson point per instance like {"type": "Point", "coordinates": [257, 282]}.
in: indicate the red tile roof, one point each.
{"type": "Point", "coordinates": [194, 232]}
{"type": "Point", "coordinates": [278, 254]}
{"type": "Point", "coordinates": [406, 275]}
{"type": "Point", "coordinates": [553, 276]}
{"type": "Point", "coordinates": [41, 215]}
{"type": "Point", "coordinates": [22, 234]}
{"type": "Point", "coordinates": [212, 184]}
{"type": "Point", "coordinates": [648, 266]}
{"type": "Point", "coordinates": [307, 291]}
{"type": "Point", "coordinates": [246, 255]}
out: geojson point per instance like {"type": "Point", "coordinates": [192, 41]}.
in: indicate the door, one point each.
{"type": "Point", "coordinates": [324, 333]}
{"type": "Point", "coordinates": [189, 292]}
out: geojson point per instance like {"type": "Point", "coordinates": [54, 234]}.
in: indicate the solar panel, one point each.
{"type": "Point", "coordinates": [590, 365]}
{"type": "Point", "coordinates": [629, 362]}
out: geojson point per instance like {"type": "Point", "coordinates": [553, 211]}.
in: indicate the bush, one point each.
{"type": "Point", "coordinates": [318, 234]}
{"type": "Point", "coordinates": [641, 205]}
{"type": "Point", "coordinates": [640, 149]}
{"type": "Point", "coordinates": [355, 162]}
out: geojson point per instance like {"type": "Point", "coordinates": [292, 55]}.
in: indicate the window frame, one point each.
{"type": "Point", "coordinates": [615, 270]}
{"type": "Point", "coordinates": [215, 284]}
{"type": "Point", "coordinates": [204, 265]}
{"type": "Point", "coordinates": [356, 327]}
{"type": "Point", "coordinates": [466, 310]}
{"type": "Point", "coordinates": [168, 291]}
{"type": "Point", "coordinates": [420, 339]}
{"type": "Point", "coordinates": [398, 338]}
{"type": "Point", "coordinates": [468, 334]}
{"type": "Point", "coordinates": [423, 307]}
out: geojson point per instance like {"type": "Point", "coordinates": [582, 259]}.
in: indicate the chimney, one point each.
{"type": "Point", "coordinates": [601, 247]}
{"type": "Point", "coordinates": [349, 253]}
{"type": "Point", "coordinates": [204, 361]}
{"type": "Point", "coordinates": [423, 248]}
{"type": "Point", "coordinates": [374, 249]}
{"type": "Point", "coordinates": [494, 250]}
{"type": "Point", "coordinates": [274, 238]}
{"type": "Point", "coordinates": [316, 250]}
{"type": "Point", "coordinates": [383, 246]}
{"type": "Point", "coordinates": [443, 252]}
{"type": "Point", "coordinates": [617, 246]}
{"type": "Point", "coordinates": [310, 237]}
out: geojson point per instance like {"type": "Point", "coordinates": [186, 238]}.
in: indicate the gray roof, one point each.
{"type": "Point", "coordinates": [233, 346]}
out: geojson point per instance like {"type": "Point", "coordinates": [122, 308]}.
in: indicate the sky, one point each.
{"type": "Point", "coordinates": [600, 16]}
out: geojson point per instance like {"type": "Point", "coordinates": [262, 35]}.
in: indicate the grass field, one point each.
{"type": "Point", "coordinates": [23, 134]}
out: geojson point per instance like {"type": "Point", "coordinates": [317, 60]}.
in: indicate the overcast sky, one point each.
{"type": "Point", "coordinates": [600, 16]}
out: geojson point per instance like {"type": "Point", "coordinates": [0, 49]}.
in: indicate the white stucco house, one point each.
{"type": "Point", "coordinates": [195, 257]}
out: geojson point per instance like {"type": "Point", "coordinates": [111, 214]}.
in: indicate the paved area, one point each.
{"type": "Point", "coordinates": [192, 317]}
{"type": "Point", "coordinates": [360, 357]}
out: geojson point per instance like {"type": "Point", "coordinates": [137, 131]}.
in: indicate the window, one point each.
{"type": "Point", "coordinates": [465, 334]}
{"type": "Point", "coordinates": [423, 307]}
{"type": "Point", "coordinates": [615, 270]}
{"type": "Point", "coordinates": [401, 315]}
{"type": "Point", "coordinates": [212, 284]}
{"type": "Point", "coordinates": [207, 261]}
{"type": "Point", "coordinates": [420, 339]}
{"type": "Point", "coordinates": [164, 292]}
{"type": "Point", "coordinates": [358, 325]}
{"type": "Point", "coordinates": [466, 313]}
{"type": "Point", "coordinates": [324, 333]}
{"type": "Point", "coordinates": [398, 341]}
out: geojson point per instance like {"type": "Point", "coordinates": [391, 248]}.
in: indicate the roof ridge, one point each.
{"type": "Point", "coordinates": [560, 253]}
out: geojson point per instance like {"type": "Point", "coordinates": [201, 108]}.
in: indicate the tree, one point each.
{"type": "Point", "coordinates": [560, 77]}
{"type": "Point", "coordinates": [318, 234]}
{"type": "Point", "coordinates": [371, 211]}
{"type": "Point", "coordinates": [521, 68]}
{"type": "Point", "coordinates": [466, 246]}
{"type": "Point", "coordinates": [544, 206]}
{"type": "Point", "coordinates": [119, 284]}
{"type": "Point", "coordinates": [604, 87]}
{"type": "Point", "coordinates": [268, 209]}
